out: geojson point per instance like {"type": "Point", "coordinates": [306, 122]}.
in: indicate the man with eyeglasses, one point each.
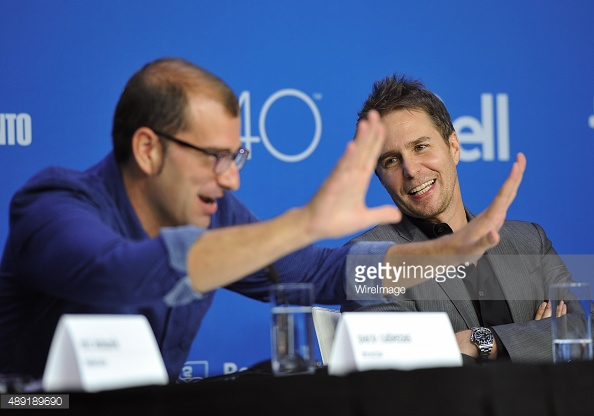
{"type": "Point", "coordinates": [153, 229]}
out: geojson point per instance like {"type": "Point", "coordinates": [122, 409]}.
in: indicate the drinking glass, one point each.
{"type": "Point", "coordinates": [572, 332]}
{"type": "Point", "coordinates": [292, 332]}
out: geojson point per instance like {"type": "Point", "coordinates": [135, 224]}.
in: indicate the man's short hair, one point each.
{"type": "Point", "coordinates": [397, 93]}
{"type": "Point", "coordinates": [157, 96]}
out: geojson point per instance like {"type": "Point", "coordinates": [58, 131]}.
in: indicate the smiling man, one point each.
{"type": "Point", "coordinates": [420, 172]}
{"type": "Point", "coordinates": [153, 228]}
{"type": "Point", "coordinates": [496, 307]}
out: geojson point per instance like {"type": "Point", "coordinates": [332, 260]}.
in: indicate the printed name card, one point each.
{"type": "Point", "coordinates": [393, 340]}
{"type": "Point", "coordinates": [103, 352]}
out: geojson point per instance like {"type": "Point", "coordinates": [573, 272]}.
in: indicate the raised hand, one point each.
{"type": "Point", "coordinates": [224, 255]}
{"type": "Point", "coordinates": [470, 242]}
{"type": "Point", "coordinates": [338, 208]}
{"type": "Point", "coordinates": [482, 232]}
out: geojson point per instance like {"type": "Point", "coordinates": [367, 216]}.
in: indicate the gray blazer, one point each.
{"type": "Point", "coordinates": [525, 264]}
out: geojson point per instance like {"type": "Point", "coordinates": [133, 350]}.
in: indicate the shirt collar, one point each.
{"type": "Point", "coordinates": [430, 229]}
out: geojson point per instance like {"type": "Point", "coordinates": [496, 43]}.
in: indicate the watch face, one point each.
{"type": "Point", "coordinates": [483, 338]}
{"type": "Point", "coordinates": [482, 335]}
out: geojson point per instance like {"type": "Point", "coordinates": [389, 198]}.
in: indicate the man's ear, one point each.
{"type": "Point", "coordinates": [147, 150]}
{"type": "Point", "coordinates": [454, 147]}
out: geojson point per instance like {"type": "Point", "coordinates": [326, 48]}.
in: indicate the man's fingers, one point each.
{"type": "Point", "coordinates": [509, 189]}
{"type": "Point", "coordinates": [369, 139]}
{"type": "Point", "coordinates": [545, 310]}
{"type": "Point", "coordinates": [385, 214]}
{"type": "Point", "coordinates": [493, 217]}
{"type": "Point", "coordinates": [489, 240]}
{"type": "Point", "coordinates": [361, 154]}
{"type": "Point", "coordinates": [561, 309]}
{"type": "Point", "coordinates": [540, 311]}
{"type": "Point", "coordinates": [338, 207]}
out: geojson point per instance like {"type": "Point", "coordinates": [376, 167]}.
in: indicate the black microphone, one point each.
{"type": "Point", "coordinates": [272, 273]}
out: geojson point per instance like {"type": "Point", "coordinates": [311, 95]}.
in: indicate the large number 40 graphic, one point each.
{"type": "Point", "coordinates": [247, 138]}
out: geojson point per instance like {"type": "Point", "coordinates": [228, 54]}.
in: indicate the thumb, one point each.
{"type": "Point", "coordinates": [385, 214]}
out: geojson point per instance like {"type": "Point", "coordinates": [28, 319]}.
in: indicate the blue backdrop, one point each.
{"type": "Point", "coordinates": [516, 76]}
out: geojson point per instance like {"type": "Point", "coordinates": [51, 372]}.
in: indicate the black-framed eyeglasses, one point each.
{"type": "Point", "coordinates": [223, 157]}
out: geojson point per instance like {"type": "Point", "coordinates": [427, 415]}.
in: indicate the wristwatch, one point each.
{"type": "Point", "coordinates": [483, 339]}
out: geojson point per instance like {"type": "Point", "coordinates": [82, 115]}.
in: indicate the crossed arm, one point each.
{"type": "Point", "coordinates": [545, 310]}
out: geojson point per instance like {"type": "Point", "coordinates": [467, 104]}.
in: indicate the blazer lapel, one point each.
{"type": "Point", "coordinates": [408, 231]}
{"type": "Point", "coordinates": [458, 295]}
{"type": "Point", "coordinates": [454, 289]}
{"type": "Point", "coordinates": [506, 262]}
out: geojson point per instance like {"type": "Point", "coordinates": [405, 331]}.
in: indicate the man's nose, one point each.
{"type": "Point", "coordinates": [229, 180]}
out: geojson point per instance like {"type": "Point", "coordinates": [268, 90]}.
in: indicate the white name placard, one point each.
{"type": "Point", "coordinates": [103, 352]}
{"type": "Point", "coordinates": [393, 340]}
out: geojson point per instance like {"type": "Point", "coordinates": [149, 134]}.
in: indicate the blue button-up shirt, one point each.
{"type": "Point", "coordinates": [76, 246]}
